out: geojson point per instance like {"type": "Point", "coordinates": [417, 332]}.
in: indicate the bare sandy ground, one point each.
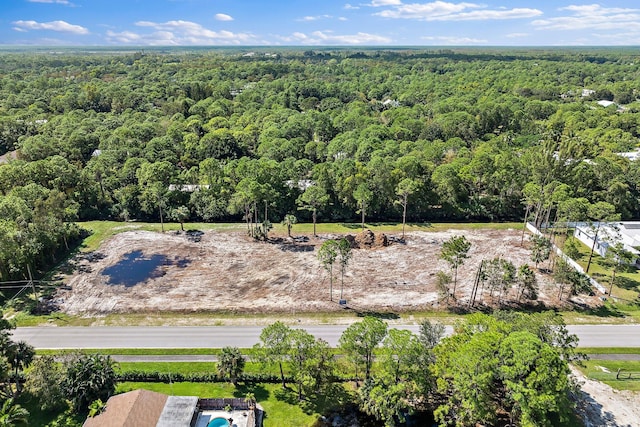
{"type": "Point", "coordinates": [602, 406]}
{"type": "Point", "coordinates": [229, 272]}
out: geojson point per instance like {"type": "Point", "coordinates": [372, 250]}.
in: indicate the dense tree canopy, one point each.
{"type": "Point", "coordinates": [370, 135]}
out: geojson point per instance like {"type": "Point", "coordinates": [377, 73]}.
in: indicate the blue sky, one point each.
{"type": "Point", "coordinates": [318, 23]}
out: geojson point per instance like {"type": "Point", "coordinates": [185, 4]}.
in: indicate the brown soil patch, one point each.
{"type": "Point", "coordinates": [228, 271]}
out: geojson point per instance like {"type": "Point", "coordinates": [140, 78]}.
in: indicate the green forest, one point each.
{"type": "Point", "coordinates": [334, 134]}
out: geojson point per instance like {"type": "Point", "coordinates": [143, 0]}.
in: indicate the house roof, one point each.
{"type": "Point", "coordinates": [138, 408]}
{"type": "Point", "coordinates": [187, 188]}
{"type": "Point", "coordinates": [605, 103]}
{"type": "Point", "coordinates": [178, 411]}
{"type": "Point", "coordinates": [625, 232]}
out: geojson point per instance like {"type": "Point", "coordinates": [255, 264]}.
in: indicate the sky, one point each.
{"type": "Point", "coordinates": [318, 23]}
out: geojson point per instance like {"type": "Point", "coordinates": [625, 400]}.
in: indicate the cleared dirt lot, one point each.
{"type": "Point", "coordinates": [226, 271]}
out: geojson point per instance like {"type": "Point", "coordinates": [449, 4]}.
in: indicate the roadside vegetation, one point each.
{"type": "Point", "coordinates": [382, 373]}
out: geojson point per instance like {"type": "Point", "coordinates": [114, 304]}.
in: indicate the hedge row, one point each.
{"type": "Point", "coordinates": [167, 377]}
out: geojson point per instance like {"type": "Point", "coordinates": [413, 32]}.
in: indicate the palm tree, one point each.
{"type": "Point", "coordinates": [19, 355]}
{"type": "Point", "coordinates": [250, 398]}
{"type": "Point", "coordinates": [231, 364]}
{"type": "Point", "coordinates": [89, 377]}
{"type": "Point", "coordinates": [12, 414]}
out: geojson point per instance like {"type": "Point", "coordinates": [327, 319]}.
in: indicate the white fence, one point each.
{"type": "Point", "coordinates": [532, 228]}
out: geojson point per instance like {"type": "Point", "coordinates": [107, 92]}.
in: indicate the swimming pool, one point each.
{"type": "Point", "coordinates": [218, 422]}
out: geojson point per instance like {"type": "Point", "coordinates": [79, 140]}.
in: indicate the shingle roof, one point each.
{"type": "Point", "coordinates": [138, 408]}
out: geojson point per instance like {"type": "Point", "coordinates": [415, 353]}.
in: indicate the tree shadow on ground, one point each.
{"type": "Point", "coordinates": [593, 412]}
{"type": "Point", "coordinates": [383, 315]}
{"type": "Point", "coordinates": [334, 395]}
{"type": "Point", "coordinates": [465, 309]}
{"type": "Point", "coordinates": [260, 393]}
{"type": "Point", "coordinates": [354, 226]}
{"type": "Point", "coordinates": [289, 247]}
{"type": "Point", "coordinates": [397, 240]}
{"type": "Point", "coordinates": [287, 395]}
{"type": "Point", "coordinates": [605, 310]}
{"type": "Point", "coordinates": [627, 283]}
{"type": "Point", "coordinates": [523, 306]}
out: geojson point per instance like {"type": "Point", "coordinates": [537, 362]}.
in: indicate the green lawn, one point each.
{"type": "Point", "coordinates": [627, 284]}
{"type": "Point", "coordinates": [100, 230]}
{"type": "Point", "coordinates": [281, 407]}
{"type": "Point", "coordinates": [610, 350]}
{"type": "Point", "coordinates": [605, 371]}
{"type": "Point", "coordinates": [224, 319]}
{"type": "Point", "coordinates": [151, 351]}
{"type": "Point", "coordinates": [191, 367]}
{"type": "Point", "coordinates": [609, 313]}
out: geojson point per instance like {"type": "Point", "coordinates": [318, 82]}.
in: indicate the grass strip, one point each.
{"type": "Point", "coordinates": [101, 230]}
{"type": "Point", "coordinates": [605, 371]}
{"type": "Point", "coordinates": [186, 368]}
{"type": "Point", "coordinates": [149, 351]}
{"type": "Point", "coordinates": [610, 350]}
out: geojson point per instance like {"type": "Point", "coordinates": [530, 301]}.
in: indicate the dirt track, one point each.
{"type": "Point", "coordinates": [602, 406]}
{"type": "Point", "coordinates": [228, 271]}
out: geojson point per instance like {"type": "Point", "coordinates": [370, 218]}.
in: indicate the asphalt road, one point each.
{"type": "Point", "coordinates": [53, 337]}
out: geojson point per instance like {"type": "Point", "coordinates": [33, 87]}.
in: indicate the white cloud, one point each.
{"type": "Point", "coordinates": [517, 35]}
{"type": "Point", "coordinates": [445, 11]}
{"type": "Point", "coordinates": [49, 1]}
{"type": "Point", "coordinates": [592, 17]}
{"type": "Point", "coordinates": [378, 3]}
{"type": "Point", "coordinates": [314, 18]}
{"type": "Point", "coordinates": [60, 26]}
{"type": "Point", "coordinates": [179, 33]}
{"type": "Point", "coordinates": [329, 38]}
{"type": "Point", "coordinates": [342, 18]}
{"type": "Point", "coordinates": [452, 40]}
{"type": "Point", "coordinates": [595, 9]}
{"type": "Point", "coordinates": [123, 37]}
{"type": "Point", "coordinates": [223, 17]}
{"type": "Point", "coordinates": [351, 7]}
